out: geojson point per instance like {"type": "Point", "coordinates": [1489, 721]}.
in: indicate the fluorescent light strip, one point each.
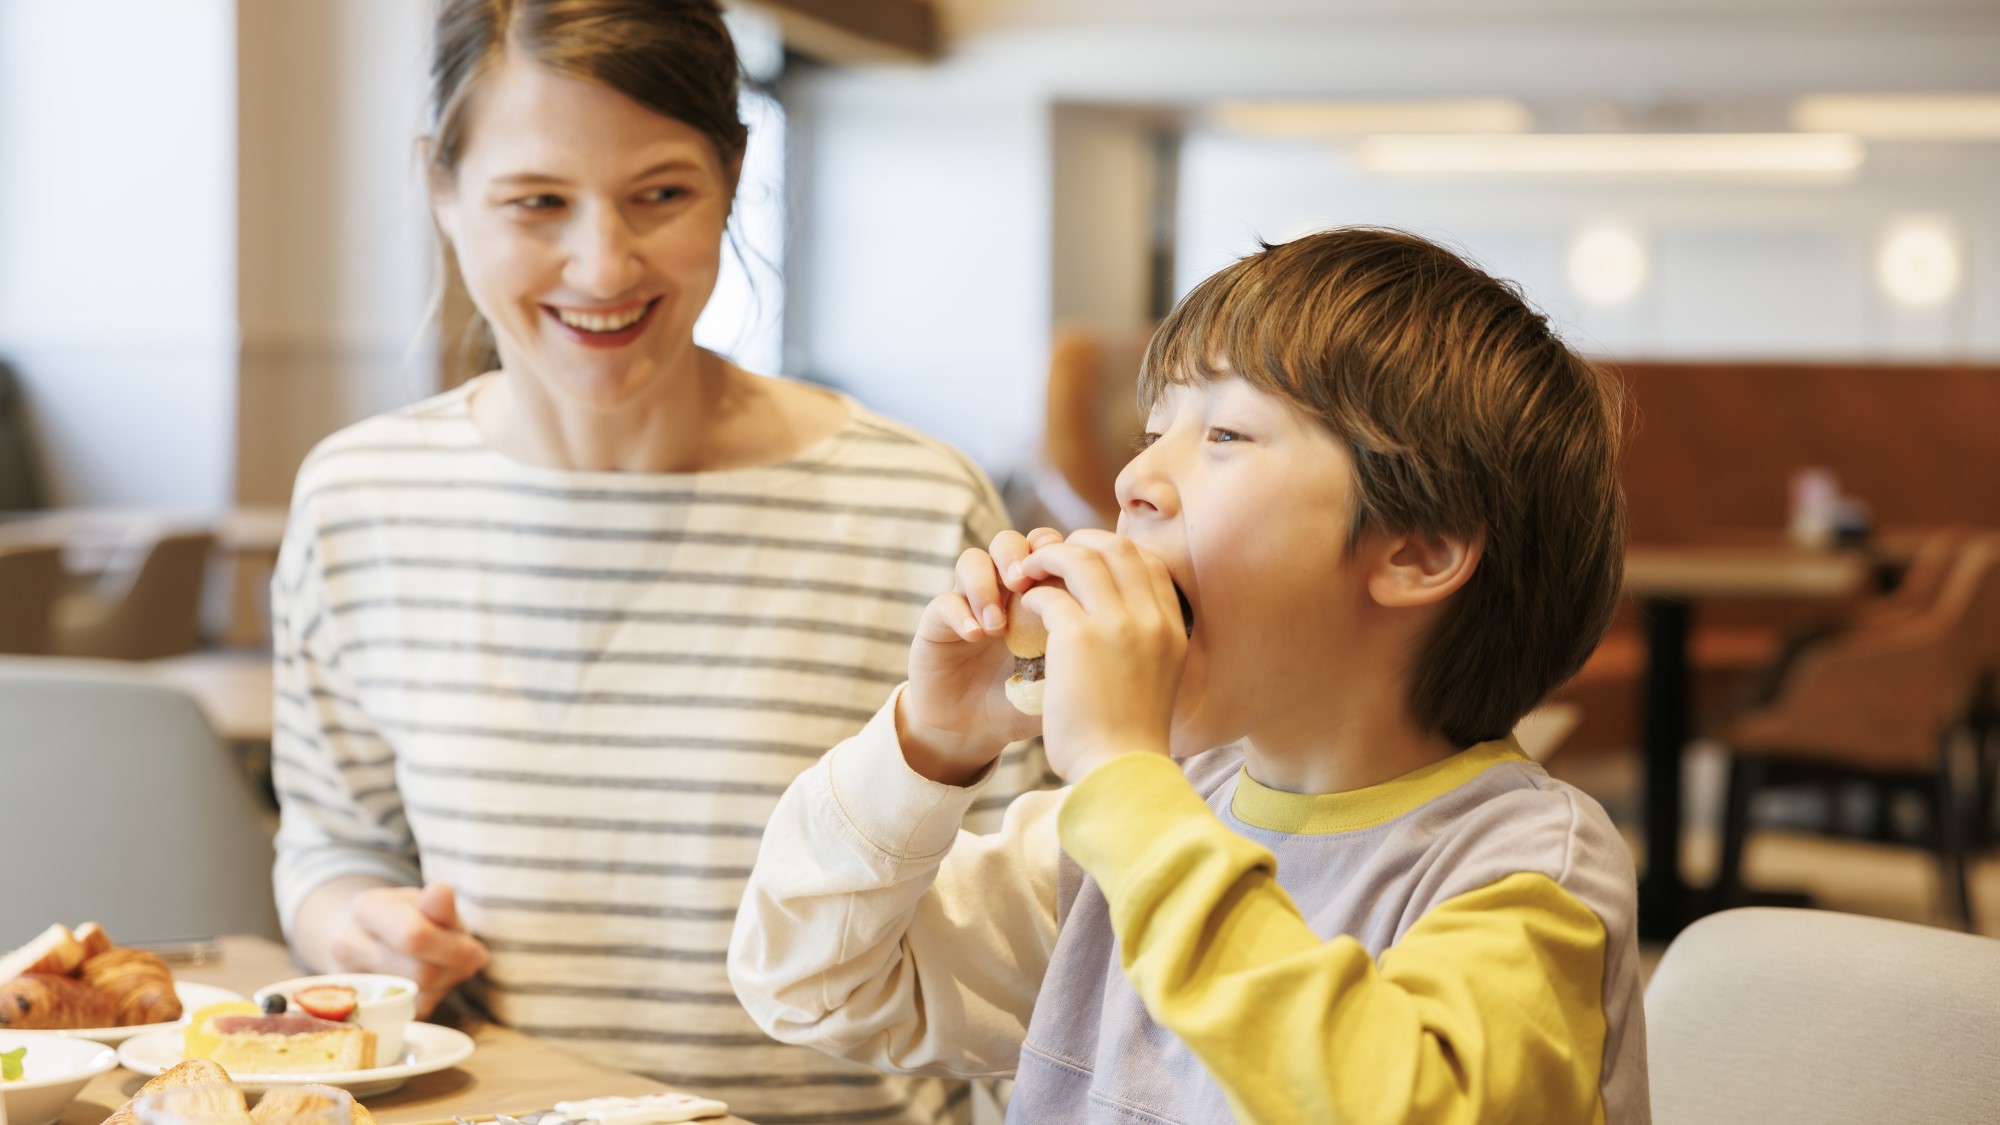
{"type": "Point", "coordinates": [1902, 117]}
{"type": "Point", "coordinates": [1754, 154]}
{"type": "Point", "coordinates": [1349, 118]}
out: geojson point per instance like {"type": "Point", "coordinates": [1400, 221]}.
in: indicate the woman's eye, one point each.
{"type": "Point", "coordinates": [664, 194]}
{"type": "Point", "coordinates": [1141, 441]}
{"type": "Point", "coordinates": [543, 202]}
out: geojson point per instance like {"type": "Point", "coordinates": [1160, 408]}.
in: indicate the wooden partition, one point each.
{"type": "Point", "coordinates": [1710, 457]}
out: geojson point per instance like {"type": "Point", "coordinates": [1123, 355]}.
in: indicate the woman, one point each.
{"type": "Point", "coordinates": [551, 645]}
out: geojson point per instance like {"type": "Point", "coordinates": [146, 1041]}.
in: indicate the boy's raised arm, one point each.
{"type": "Point", "coordinates": [875, 929]}
{"type": "Point", "coordinates": [1488, 1009]}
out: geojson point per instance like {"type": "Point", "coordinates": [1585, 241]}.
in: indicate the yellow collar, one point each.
{"type": "Point", "coordinates": [1314, 814]}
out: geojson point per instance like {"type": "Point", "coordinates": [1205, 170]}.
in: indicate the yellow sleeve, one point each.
{"type": "Point", "coordinates": [1489, 1008]}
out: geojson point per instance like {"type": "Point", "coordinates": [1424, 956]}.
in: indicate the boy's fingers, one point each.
{"type": "Point", "coordinates": [1083, 571]}
{"type": "Point", "coordinates": [1127, 564]}
{"type": "Point", "coordinates": [1057, 607]}
{"type": "Point", "coordinates": [949, 618]}
{"type": "Point", "coordinates": [979, 581]}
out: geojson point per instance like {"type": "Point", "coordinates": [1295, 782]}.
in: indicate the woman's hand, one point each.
{"type": "Point", "coordinates": [1117, 641]}
{"type": "Point", "coordinates": [410, 933]}
{"type": "Point", "coordinates": [954, 717]}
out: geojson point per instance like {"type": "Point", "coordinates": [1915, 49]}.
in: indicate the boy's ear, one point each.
{"type": "Point", "coordinates": [1420, 570]}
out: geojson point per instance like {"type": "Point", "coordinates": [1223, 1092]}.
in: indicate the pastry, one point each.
{"type": "Point", "coordinates": [138, 982]}
{"type": "Point", "coordinates": [47, 1002]}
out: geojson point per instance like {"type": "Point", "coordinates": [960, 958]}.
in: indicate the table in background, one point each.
{"type": "Point", "coordinates": [1668, 582]}
{"type": "Point", "coordinates": [508, 1073]}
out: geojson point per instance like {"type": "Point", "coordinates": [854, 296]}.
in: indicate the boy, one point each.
{"type": "Point", "coordinates": [1388, 497]}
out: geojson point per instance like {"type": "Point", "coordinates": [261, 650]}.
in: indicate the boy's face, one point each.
{"type": "Point", "coordinates": [1247, 501]}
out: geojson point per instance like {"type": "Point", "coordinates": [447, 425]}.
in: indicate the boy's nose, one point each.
{"type": "Point", "coordinates": [1143, 490]}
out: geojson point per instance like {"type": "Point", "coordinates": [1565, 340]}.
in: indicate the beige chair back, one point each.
{"type": "Point", "coordinates": [123, 807]}
{"type": "Point", "coordinates": [30, 583]}
{"type": "Point", "coordinates": [1803, 1017]}
{"type": "Point", "coordinates": [158, 614]}
{"type": "Point", "coordinates": [1092, 418]}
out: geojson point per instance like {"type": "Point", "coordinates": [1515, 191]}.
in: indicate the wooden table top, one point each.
{"type": "Point", "coordinates": [508, 1073]}
{"type": "Point", "coordinates": [1743, 572]}
{"type": "Point", "coordinates": [234, 689]}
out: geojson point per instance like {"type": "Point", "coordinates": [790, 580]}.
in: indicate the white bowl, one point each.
{"type": "Point", "coordinates": [384, 1005]}
{"type": "Point", "coordinates": [55, 1070]}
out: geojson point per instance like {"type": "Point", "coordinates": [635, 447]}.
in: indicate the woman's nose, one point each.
{"type": "Point", "coordinates": [603, 261]}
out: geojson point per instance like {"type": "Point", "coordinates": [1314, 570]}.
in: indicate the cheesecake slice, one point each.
{"type": "Point", "coordinates": [282, 1045]}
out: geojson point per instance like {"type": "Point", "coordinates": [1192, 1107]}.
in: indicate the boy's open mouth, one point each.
{"type": "Point", "coordinates": [1187, 610]}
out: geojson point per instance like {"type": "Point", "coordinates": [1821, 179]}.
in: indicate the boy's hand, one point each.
{"type": "Point", "coordinates": [1117, 642]}
{"type": "Point", "coordinates": [954, 717]}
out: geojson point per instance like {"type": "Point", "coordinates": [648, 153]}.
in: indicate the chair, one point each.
{"type": "Point", "coordinates": [30, 582]}
{"type": "Point", "coordinates": [123, 807]}
{"type": "Point", "coordinates": [1880, 703]}
{"type": "Point", "coordinates": [156, 613]}
{"type": "Point", "coordinates": [1091, 419]}
{"type": "Point", "coordinates": [1806, 1017]}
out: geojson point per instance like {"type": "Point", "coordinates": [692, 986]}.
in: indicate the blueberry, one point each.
{"type": "Point", "coordinates": [274, 1004]}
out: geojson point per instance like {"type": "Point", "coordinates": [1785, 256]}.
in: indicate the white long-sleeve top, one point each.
{"type": "Point", "coordinates": [576, 696]}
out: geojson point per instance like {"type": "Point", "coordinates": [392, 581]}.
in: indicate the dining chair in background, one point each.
{"type": "Point", "coordinates": [30, 582]}
{"type": "Point", "coordinates": [1886, 703]}
{"type": "Point", "coordinates": [1808, 1017]}
{"type": "Point", "coordinates": [124, 808]}
{"type": "Point", "coordinates": [143, 611]}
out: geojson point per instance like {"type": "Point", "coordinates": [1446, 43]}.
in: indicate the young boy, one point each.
{"type": "Point", "coordinates": [1388, 496]}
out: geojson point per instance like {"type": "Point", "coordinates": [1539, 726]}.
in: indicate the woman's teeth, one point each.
{"type": "Point", "coordinates": [591, 322]}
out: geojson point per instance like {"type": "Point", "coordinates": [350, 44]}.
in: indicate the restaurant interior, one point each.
{"type": "Point", "coordinates": [1777, 221]}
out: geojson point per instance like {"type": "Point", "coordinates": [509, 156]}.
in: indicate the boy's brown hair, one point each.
{"type": "Point", "coordinates": [1464, 413]}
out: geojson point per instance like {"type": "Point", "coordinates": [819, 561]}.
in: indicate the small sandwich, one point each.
{"type": "Point", "coordinates": [1028, 639]}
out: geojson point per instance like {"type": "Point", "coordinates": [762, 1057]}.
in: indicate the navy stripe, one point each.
{"type": "Point", "coordinates": [689, 496]}
{"type": "Point", "coordinates": [618, 574]}
{"type": "Point", "coordinates": [593, 824]}
{"type": "Point", "coordinates": [621, 616]}
{"type": "Point", "coordinates": [642, 535]}
{"type": "Point", "coordinates": [620, 698]}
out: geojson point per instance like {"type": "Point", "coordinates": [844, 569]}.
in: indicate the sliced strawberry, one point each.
{"type": "Point", "coordinates": [327, 1001]}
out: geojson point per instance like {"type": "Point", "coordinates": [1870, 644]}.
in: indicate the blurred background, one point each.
{"type": "Point", "coordinates": [1780, 219]}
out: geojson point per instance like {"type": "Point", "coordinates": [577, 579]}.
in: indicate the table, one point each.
{"type": "Point", "coordinates": [509, 1073]}
{"type": "Point", "coordinates": [94, 539]}
{"type": "Point", "coordinates": [234, 689]}
{"type": "Point", "coordinates": [1668, 582]}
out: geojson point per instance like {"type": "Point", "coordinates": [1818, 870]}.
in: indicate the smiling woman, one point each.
{"type": "Point", "coordinates": [550, 645]}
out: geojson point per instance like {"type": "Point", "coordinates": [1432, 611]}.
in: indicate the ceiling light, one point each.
{"type": "Point", "coordinates": [1918, 264]}
{"type": "Point", "coordinates": [1606, 265]}
{"type": "Point", "coordinates": [1902, 117]}
{"type": "Point", "coordinates": [1348, 118]}
{"type": "Point", "coordinates": [1824, 155]}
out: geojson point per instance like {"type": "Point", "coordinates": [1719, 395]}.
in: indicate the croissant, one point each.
{"type": "Point", "coordinates": [138, 982]}
{"type": "Point", "coordinates": [46, 1002]}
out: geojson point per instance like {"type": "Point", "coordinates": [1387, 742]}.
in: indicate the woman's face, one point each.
{"type": "Point", "coordinates": [588, 229]}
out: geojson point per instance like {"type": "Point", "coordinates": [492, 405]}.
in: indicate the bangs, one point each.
{"type": "Point", "coordinates": [1236, 323]}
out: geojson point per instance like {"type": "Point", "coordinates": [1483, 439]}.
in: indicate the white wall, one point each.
{"type": "Point", "coordinates": [117, 243]}
{"type": "Point", "coordinates": [918, 275]}
{"type": "Point", "coordinates": [1736, 270]}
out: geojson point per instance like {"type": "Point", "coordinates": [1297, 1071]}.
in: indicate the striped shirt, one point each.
{"type": "Point", "coordinates": [577, 696]}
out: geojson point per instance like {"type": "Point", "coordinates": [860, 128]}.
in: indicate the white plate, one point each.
{"type": "Point", "coordinates": [194, 997]}
{"type": "Point", "coordinates": [426, 1048]}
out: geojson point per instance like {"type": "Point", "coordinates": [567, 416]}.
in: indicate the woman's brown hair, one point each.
{"type": "Point", "coordinates": [674, 57]}
{"type": "Point", "coordinates": [1465, 415]}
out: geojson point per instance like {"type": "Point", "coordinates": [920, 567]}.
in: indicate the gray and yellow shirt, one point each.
{"type": "Point", "coordinates": [1173, 942]}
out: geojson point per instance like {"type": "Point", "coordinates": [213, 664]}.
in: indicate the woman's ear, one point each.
{"type": "Point", "coordinates": [1419, 570]}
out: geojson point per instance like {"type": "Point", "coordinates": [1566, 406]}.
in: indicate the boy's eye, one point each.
{"type": "Point", "coordinates": [1141, 441]}
{"type": "Point", "coordinates": [1218, 434]}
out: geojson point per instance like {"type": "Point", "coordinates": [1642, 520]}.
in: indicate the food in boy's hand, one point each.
{"type": "Point", "coordinates": [327, 1001]}
{"type": "Point", "coordinates": [1028, 640]}
{"type": "Point", "coordinates": [63, 981]}
{"type": "Point", "coordinates": [47, 1002]}
{"type": "Point", "coordinates": [139, 982]}
{"type": "Point", "coordinates": [10, 1064]}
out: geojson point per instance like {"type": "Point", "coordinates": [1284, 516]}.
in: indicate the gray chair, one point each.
{"type": "Point", "coordinates": [119, 805]}
{"type": "Point", "coordinates": [30, 582]}
{"type": "Point", "coordinates": [1775, 1017]}
{"type": "Point", "coordinates": [147, 613]}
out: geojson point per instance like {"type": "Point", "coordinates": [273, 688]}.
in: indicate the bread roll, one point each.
{"type": "Point", "coordinates": [54, 951]}
{"type": "Point", "coordinates": [138, 982]}
{"type": "Point", "coordinates": [47, 1002]}
{"type": "Point", "coordinates": [225, 1102]}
